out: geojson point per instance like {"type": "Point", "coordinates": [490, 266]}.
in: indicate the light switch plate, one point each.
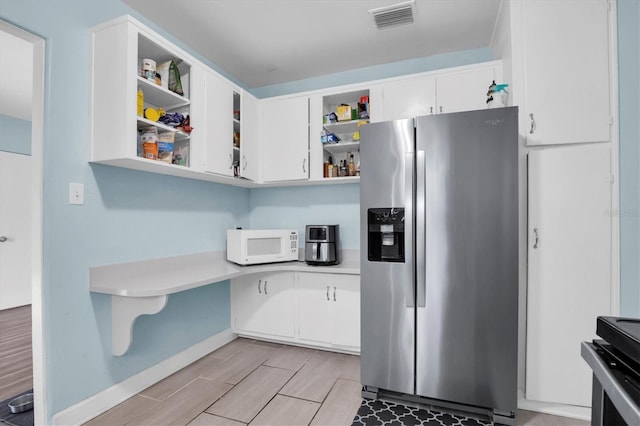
{"type": "Point", "coordinates": [76, 193]}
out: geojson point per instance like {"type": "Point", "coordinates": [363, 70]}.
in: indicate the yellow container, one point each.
{"type": "Point", "coordinates": [344, 113]}
{"type": "Point", "coordinates": [140, 103]}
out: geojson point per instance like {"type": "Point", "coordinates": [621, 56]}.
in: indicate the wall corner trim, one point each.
{"type": "Point", "coordinates": [97, 404]}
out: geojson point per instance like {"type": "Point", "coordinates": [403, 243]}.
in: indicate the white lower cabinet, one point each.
{"type": "Point", "coordinates": [329, 309]}
{"type": "Point", "coordinates": [311, 309]}
{"type": "Point", "coordinates": [569, 267]}
{"type": "Point", "coordinates": [264, 304]}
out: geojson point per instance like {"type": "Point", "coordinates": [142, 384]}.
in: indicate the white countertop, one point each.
{"type": "Point", "coordinates": [169, 275]}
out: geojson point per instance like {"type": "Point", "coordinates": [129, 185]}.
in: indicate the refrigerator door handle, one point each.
{"type": "Point", "coordinates": [421, 229]}
{"type": "Point", "coordinates": [409, 223]}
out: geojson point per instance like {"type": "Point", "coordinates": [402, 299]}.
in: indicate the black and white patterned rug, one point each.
{"type": "Point", "coordinates": [377, 412]}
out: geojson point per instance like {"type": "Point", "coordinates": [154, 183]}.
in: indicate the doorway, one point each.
{"type": "Point", "coordinates": [11, 59]}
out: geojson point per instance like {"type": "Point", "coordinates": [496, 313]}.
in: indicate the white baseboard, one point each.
{"type": "Point", "coordinates": [573, 411]}
{"type": "Point", "coordinates": [97, 404]}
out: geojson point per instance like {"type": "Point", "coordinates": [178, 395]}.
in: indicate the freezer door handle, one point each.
{"type": "Point", "coordinates": [408, 227]}
{"type": "Point", "coordinates": [421, 228]}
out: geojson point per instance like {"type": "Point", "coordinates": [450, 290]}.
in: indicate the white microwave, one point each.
{"type": "Point", "coordinates": [253, 246]}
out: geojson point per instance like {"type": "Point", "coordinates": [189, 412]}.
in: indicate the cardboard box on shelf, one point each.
{"type": "Point", "coordinates": [165, 147]}
{"type": "Point", "coordinates": [344, 113]}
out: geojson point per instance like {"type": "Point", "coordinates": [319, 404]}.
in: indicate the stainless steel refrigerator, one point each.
{"type": "Point", "coordinates": [439, 260]}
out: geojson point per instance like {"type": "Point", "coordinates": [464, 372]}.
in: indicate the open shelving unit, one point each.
{"type": "Point", "coordinates": [347, 131]}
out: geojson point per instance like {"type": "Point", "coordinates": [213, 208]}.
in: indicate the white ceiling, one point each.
{"type": "Point", "coordinates": [16, 76]}
{"type": "Point", "coordinates": [264, 42]}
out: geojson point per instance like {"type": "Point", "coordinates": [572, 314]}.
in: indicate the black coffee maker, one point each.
{"type": "Point", "coordinates": [322, 245]}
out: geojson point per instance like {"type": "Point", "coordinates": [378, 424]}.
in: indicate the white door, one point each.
{"type": "Point", "coordinates": [314, 301]}
{"type": "Point", "coordinates": [464, 90]}
{"type": "Point", "coordinates": [566, 60]}
{"type": "Point", "coordinates": [15, 229]}
{"type": "Point", "coordinates": [569, 276]}
{"type": "Point", "coordinates": [345, 312]}
{"type": "Point", "coordinates": [249, 137]}
{"type": "Point", "coordinates": [409, 98]}
{"type": "Point", "coordinates": [218, 126]}
{"type": "Point", "coordinates": [285, 139]}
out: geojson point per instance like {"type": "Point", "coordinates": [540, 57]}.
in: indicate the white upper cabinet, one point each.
{"type": "Point", "coordinates": [285, 138]}
{"type": "Point", "coordinates": [249, 137]}
{"type": "Point", "coordinates": [464, 90]}
{"type": "Point", "coordinates": [408, 98]}
{"type": "Point", "coordinates": [214, 104]}
{"type": "Point", "coordinates": [123, 102]}
{"type": "Point", "coordinates": [460, 89]}
{"type": "Point", "coordinates": [565, 48]}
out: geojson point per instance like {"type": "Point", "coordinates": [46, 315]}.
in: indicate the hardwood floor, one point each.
{"type": "Point", "coordinates": [16, 363]}
{"type": "Point", "coordinates": [260, 383]}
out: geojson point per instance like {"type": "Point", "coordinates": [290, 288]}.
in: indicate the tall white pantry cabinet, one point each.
{"type": "Point", "coordinates": [559, 59]}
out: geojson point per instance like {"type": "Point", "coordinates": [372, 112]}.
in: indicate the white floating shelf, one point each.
{"type": "Point", "coordinates": [159, 96]}
{"type": "Point", "coordinates": [341, 147]}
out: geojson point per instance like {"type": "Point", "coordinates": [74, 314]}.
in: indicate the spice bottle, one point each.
{"type": "Point", "coordinates": [352, 166]}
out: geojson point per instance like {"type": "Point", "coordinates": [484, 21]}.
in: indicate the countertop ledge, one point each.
{"type": "Point", "coordinates": [143, 287]}
{"type": "Point", "coordinates": [159, 277]}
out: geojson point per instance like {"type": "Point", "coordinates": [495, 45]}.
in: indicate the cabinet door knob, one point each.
{"type": "Point", "coordinates": [533, 124]}
{"type": "Point", "coordinates": [265, 287]}
{"type": "Point", "coordinates": [259, 289]}
{"type": "Point", "coordinates": [304, 165]}
{"type": "Point", "coordinates": [328, 293]}
{"type": "Point", "coordinates": [440, 109]}
{"type": "Point", "coordinates": [535, 233]}
{"type": "Point", "coordinates": [334, 294]}
{"type": "Point", "coordinates": [230, 161]}
{"type": "Point", "coordinates": [244, 159]}
{"type": "Point", "coordinates": [3, 238]}
{"type": "Point", "coordinates": [431, 110]}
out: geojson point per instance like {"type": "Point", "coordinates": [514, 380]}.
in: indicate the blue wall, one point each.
{"type": "Point", "coordinates": [127, 216]}
{"type": "Point", "coordinates": [293, 208]}
{"type": "Point", "coordinates": [629, 82]}
{"type": "Point", "coordinates": [15, 135]}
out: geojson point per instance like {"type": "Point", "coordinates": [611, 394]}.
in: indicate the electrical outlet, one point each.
{"type": "Point", "coordinates": [76, 193]}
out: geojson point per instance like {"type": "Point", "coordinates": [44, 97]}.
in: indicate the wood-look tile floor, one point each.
{"type": "Point", "coordinates": [16, 363]}
{"type": "Point", "coordinates": [249, 382]}
{"type": "Point", "coordinates": [259, 383]}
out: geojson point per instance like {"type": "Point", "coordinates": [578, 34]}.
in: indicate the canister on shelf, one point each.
{"type": "Point", "coordinates": [149, 69]}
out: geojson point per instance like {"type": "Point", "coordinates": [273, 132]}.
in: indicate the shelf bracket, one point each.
{"type": "Point", "coordinates": [124, 312]}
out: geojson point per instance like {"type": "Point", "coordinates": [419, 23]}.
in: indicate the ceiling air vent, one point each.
{"type": "Point", "coordinates": [394, 15]}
